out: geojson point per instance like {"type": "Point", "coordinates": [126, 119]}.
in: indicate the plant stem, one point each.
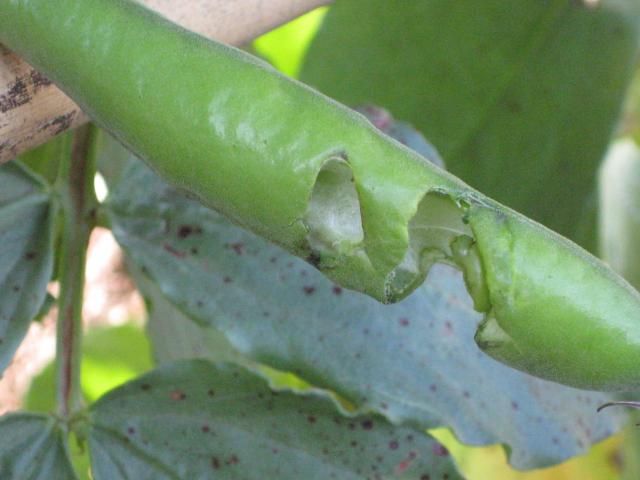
{"type": "Point", "coordinates": [75, 186]}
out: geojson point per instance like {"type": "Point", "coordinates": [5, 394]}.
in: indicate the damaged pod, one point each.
{"type": "Point", "coordinates": [322, 182]}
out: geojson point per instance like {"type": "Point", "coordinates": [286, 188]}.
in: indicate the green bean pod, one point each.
{"type": "Point", "coordinates": [316, 178]}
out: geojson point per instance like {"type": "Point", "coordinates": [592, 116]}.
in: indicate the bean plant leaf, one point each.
{"type": "Point", "coordinates": [32, 447]}
{"type": "Point", "coordinates": [195, 419]}
{"type": "Point", "coordinates": [415, 362]}
{"type": "Point", "coordinates": [26, 255]}
{"type": "Point", "coordinates": [520, 98]}
{"type": "Point", "coordinates": [175, 336]}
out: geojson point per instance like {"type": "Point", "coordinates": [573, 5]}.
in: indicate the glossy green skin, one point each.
{"type": "Point", "coordinates": [250, 143]}
{"type": "Point", "coordinates": [567, 317]}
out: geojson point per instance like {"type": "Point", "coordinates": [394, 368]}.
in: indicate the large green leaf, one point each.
{"type": "Point", "coordinates": [194, 419]}
{"type": "Point", "coordinates": [26, 253]}
{"type": "Point", "coordinates": [415, 362]}
{"type": "Point", "coordinates": [519, 97]}
{"type": "Point", "coordinates": [32, 447]}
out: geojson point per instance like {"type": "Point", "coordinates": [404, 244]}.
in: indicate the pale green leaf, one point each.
{"type": "Point", "coordinates": [196, 420]}
{"type": "Point", "coordinates": [173, 334]}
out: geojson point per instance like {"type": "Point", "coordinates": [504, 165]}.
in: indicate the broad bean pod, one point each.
{"type": "Point", "coordinates": [316, 178]}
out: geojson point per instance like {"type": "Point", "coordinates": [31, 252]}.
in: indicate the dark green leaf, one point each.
{"type": "Point", "coordinates": [32, 447]}
{"type": "Point", "coordinates": [415, 362]}
{"type": "Point", "coordinates": [26, 255]}
{"type": "Point", "coordinates": [519, 97]}
{"type": "Point", "coordinates": [196, 420]}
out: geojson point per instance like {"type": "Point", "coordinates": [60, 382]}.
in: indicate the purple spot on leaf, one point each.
{"type": "Point", "coordinates": [173, 251]}
{"type": "Point", "coordinates": [177, 395]}
{"type": "Point", "coordinates": [439, 450]}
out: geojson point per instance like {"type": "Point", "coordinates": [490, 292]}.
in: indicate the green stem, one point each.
{"type": "Point", "coordinates": [75, 186]}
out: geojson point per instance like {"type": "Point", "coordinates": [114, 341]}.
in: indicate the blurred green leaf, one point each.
{"type": "Point", "coordinates": [630, 123]}
{"type": "Point", "coordinates": [41, 396]}
{"type": "Point", "coordinates": [26, 254]}
{"type": "Point", "coordinates": [194, 419]}
{"type": "Point", "coordinates": [415, 362]}
{"type": "Point", "coordinates": [32, 447]}
{"type": "Point", "coordinates": [45, 159]}
{"type": "Point", "coordinates": [110, 357]}
{"type": "Point", "coordinates": [519, 97]}
{"type": "Point", "coordinates": [619, 188]}
{"type": "Point", "coordinates": [285, 46]}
